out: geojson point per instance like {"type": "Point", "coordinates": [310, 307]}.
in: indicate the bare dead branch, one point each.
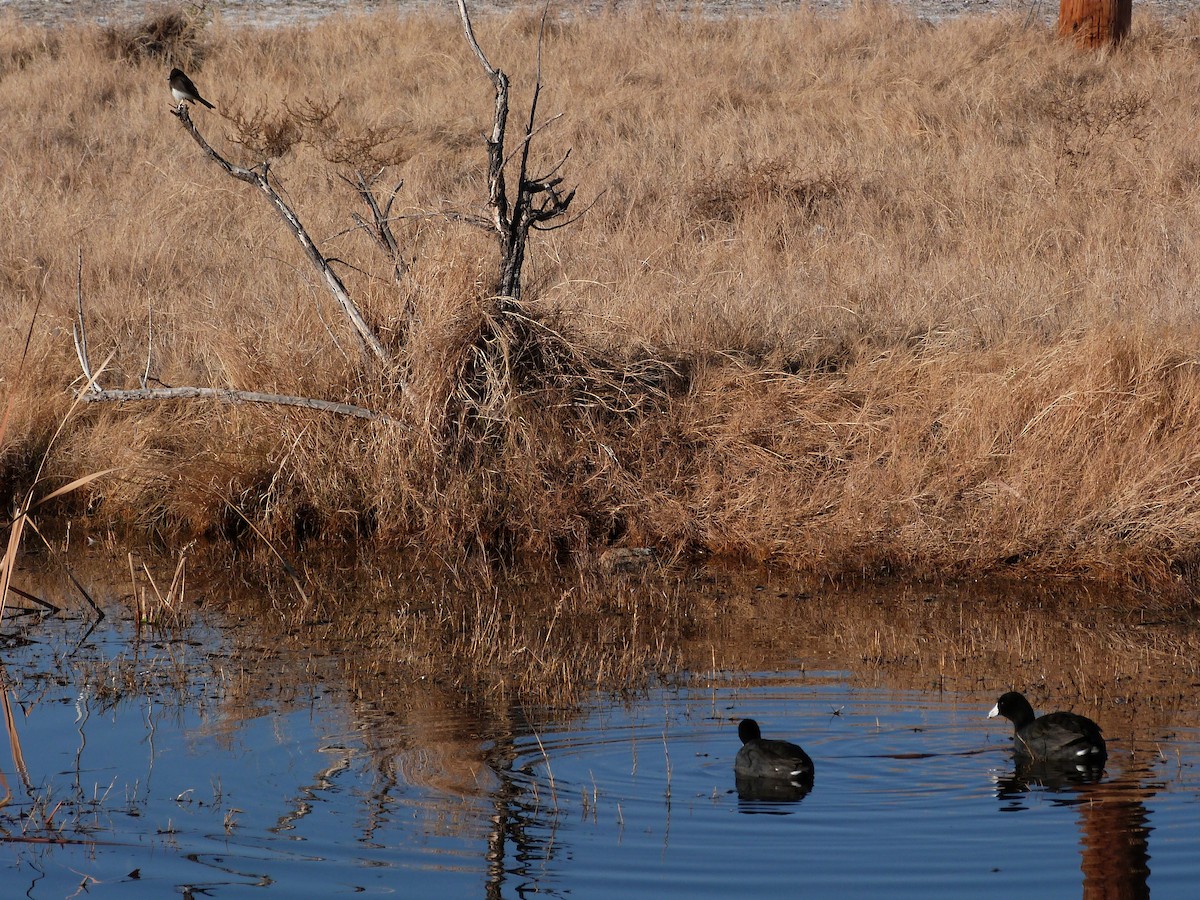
{"type": "Point", "coordinates": [228, 395]}
{"type": "Point", "coordinates": [571, 221]}
{"type": "Point", "coordinates": [558, 165]}
{"type": "Point", "coordinates": [497, 193]}
{"type": "Point", "coordinates": [259, 177]}
{"type": "Point", "coordinates": [527, 138]}
{"type": "Point", "coordinates": [469, 30]}
{"type": "Point", "coordinates": [380, 226]}
{"type": "Point", "coordinates": [537, 200]}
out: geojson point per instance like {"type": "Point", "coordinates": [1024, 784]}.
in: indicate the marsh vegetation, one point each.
{"type": "Point", "coordinates": [853, 295]}
{"type": "Point", "coordinates": [886, 307]}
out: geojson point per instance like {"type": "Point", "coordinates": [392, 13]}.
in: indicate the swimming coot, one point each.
{"type": "Point", "coordinates": [760, 758]}
{"type": "Point", "coordinates": [1060, 737]}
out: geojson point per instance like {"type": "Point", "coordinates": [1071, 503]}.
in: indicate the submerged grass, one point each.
{"type": "Point", "coordinates": [856, 295]}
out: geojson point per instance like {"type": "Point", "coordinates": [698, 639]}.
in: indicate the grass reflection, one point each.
{"type": "Point", "coordinates": [436, 688]}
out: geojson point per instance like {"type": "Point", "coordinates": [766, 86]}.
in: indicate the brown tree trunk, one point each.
{"type": "Point", "coordinates": [1094, 23]}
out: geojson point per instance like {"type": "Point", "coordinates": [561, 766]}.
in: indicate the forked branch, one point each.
{"type": "Point", "coordinates": [380, 226]}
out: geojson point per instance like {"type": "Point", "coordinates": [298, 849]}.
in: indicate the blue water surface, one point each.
{"type": "Point", "coordinates": [173, 767]}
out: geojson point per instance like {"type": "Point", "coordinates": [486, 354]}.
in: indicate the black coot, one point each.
{"type": "Point", "coordinates": [761, 758]}
{"type": "Point", "coordinates": [1057, 737]}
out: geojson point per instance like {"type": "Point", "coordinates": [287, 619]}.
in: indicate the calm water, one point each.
{"type": "Point", "coordinates": [180, 768]}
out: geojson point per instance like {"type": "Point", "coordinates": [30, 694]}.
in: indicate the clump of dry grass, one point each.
{"type": "Point", "coordinates": [168, 35]}
{"type": "Point", "coordinates": [856, 294]}
{"type": "Point", "coordinates": [769, 188]}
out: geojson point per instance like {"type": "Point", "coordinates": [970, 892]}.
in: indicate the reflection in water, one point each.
{"type": "Point", "coordinates": [1113, 821]}
{"type": "Point", "coordinates": [753, 791]}
{"type": "Point", "coordinates": [301, 803]}
{"type": "Point", "coordinates": [1116, 838]}
{"type": "Point", "coordinates": [512, 850]}
{"type": "Point", "coordinates": [1058, 778]}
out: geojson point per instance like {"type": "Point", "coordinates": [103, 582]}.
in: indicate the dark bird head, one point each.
{"type": "Point", "coordinates": [1014, 707]}
{"type": "Point", "coordinates": [748, 730]}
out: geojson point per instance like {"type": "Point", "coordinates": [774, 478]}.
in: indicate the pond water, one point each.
{"type": "Point", "coordinates": [173, 765]}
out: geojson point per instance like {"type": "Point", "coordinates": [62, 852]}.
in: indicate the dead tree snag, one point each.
{"type": "Point", "coordinates": [539, 200]}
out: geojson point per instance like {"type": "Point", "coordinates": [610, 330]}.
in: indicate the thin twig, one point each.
{"type": "Point", "coordinates": [531, 135]}
{"type": "Point", "coordinates": [149, 341]}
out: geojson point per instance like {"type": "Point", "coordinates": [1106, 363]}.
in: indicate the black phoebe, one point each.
{"type": "Point", "coordinates": [182, 88]}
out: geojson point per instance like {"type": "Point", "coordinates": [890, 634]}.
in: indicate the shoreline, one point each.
{"type": "Point", "coordinates": [277, 13]}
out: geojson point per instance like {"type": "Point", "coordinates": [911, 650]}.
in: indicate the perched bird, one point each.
{"type": "Point", "coordinates": [761, 758]}
{"type": "Point", "coordinates": [1057, 737]}
{"type": "Point", "coordinates": [182, 88]}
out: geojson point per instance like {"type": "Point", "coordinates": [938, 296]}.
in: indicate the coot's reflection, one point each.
{"type": "Point", "coordinates": [768, 795]}
{"type": "Point", "coordinates": [1114, 822]}
{"type": "Point", "coordinates": [1059, 778]}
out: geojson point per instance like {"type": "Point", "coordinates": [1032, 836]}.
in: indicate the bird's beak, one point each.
{"type": "Point", "coordinates": [995, 711]}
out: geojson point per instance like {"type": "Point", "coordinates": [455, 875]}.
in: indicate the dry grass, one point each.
{"type": "Point", "coordinates": [858, 295]}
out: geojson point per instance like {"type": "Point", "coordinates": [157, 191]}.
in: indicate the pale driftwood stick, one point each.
{"type": "Point", "coordinates": [258, 178]}
{"type": "Point", "coordinates": [228, 395]}
{"type": "Point", "coordinates": [93, 393]}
